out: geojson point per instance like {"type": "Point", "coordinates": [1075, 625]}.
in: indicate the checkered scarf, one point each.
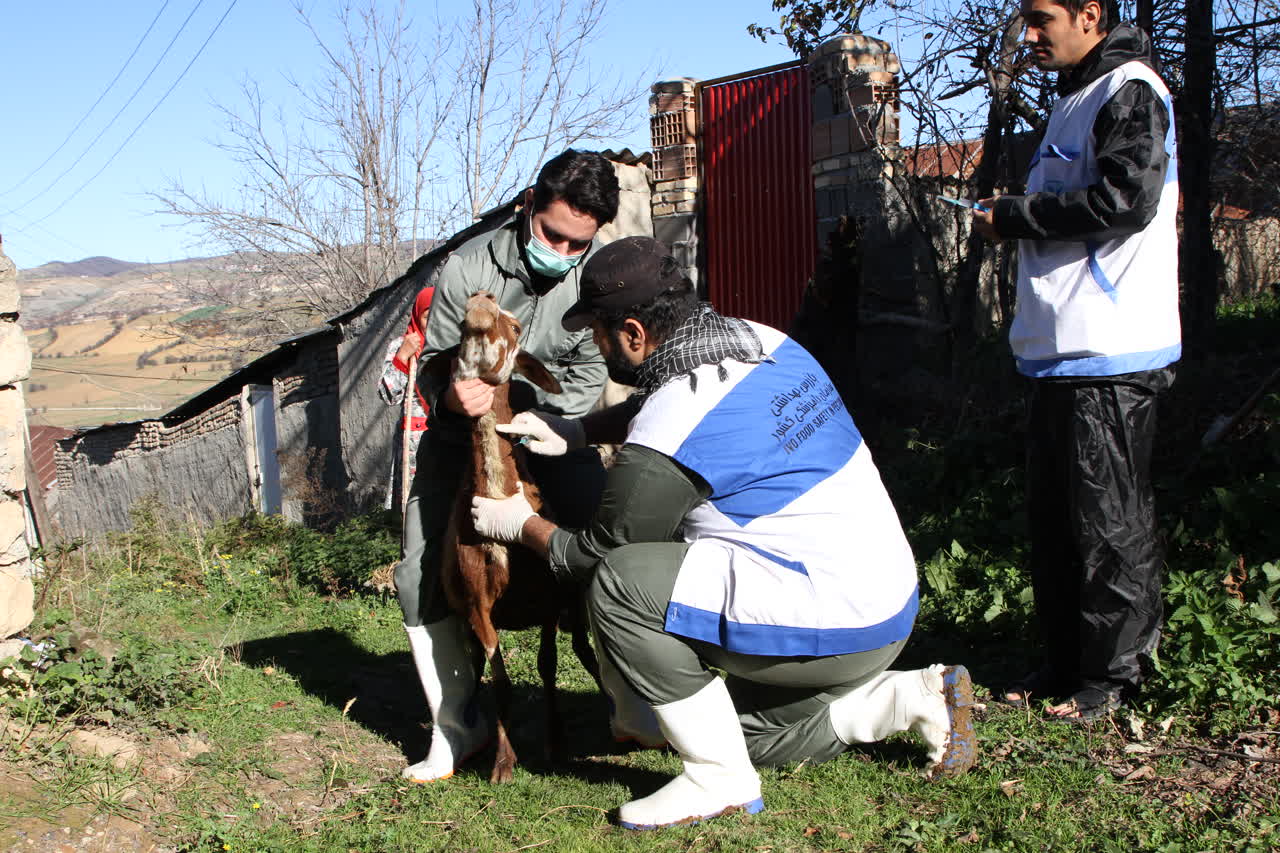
{"type": "Point", "coordinates": [704, 338]}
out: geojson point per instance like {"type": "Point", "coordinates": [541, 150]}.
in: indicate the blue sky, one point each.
{"type": "Point", "coordinates": [59, 57]}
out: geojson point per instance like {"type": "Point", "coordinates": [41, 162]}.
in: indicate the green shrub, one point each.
{"type": "Point", "coordinates": [75, 674]}
{"type": "Point", "coordinates": [334, 563]}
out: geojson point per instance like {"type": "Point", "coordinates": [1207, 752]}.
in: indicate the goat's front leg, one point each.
{"type": "Point", "coordinates": [548, 661]}
{"type": "Point", "coordinates": [504, 762]}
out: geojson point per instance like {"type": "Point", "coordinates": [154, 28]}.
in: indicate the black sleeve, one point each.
{"type": "Point", "coordinates": [646, 498]}
{"type": "Point", "coordinates": [1129, 141]}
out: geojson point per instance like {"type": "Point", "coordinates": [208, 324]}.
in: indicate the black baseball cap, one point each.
{"type": "Point", "coordinates": [625, 273]}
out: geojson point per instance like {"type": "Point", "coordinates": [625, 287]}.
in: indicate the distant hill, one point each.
{"type": "Point", "coordinates": [99, 266]}
{"type": "Point", "coordinates": [62, 292]}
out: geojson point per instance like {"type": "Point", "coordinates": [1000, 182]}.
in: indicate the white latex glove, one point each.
{"type": "Point", "coordinates": [546, 434]}
{"type": "Point", "coordinates": [501, 519]}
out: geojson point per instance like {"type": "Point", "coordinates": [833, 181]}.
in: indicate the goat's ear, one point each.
{"type": "Point", "coordinates": [440, 366]}
{"type": "Point", "coordinates": [536, 372]}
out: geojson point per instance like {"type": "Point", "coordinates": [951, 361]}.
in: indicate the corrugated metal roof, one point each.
{"type": "Point", "coordinates": [44, 441]}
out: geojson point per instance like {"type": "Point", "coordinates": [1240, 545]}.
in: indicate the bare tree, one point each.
{"type": "Point", "coordinates": [966, 96]}
{"type": "Point", "coordinates": [406, 134]}
{"type": "Point", "coordinates": [528, 92]}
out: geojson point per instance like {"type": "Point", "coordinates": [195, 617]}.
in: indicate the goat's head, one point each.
{"type": "Point", "coordinates": [490, 341]}
{"type": "Point", "coordinates": [490, 347]}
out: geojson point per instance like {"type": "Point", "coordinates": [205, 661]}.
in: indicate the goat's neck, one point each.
{"type": "Point", "coordinates": [495, 470]}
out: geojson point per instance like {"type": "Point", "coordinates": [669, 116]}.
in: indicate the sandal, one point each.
{"type": "Point", "coordinates": [1091, 702]}
{"type": "Point", "coordinates": [1042, 683]}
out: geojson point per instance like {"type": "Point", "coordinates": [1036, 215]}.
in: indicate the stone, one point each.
{"type": "Point", "coordinates": [633, 178]}
{"type": "Point", "coordinates": [677, 86]}
{"type": "Point", "coordinates": [15, 355]}
{"type": "Point", "coordinates": [821, 140]}
{"type": "Point", "coordinates": [10, 648]}
{"type": "Point", "coordinates": [686, 206]}
{"type": "Point", "coordinates": [9, 292]}
{"type": "Point", "coordinates": [673, 197]}
{"type": "Point", "coordinates": [13, 533]}
{"type": "Point", "coordinates": [675, 229]}
{"type": "Point", "coordinates": [17, 598]}
{"type": "Point", "coordinates": [822, 102]}
{"type": "Point", "coordinates": [13, 459]}
{"type": "Point", "coordinates": [122, 751]}
{"type": "Point", "coordinates": [667, 102]}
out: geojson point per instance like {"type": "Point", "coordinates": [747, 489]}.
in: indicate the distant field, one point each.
{"type": "Point", "coordinates": [69, 388]}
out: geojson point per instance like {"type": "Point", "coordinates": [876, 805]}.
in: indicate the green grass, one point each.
{"type": "Point", "coordinates": [273, 704]}
{"type": "Point", "coordinates": [267, 678]}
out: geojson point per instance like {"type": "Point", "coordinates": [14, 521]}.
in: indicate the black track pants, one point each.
{"type": "Point", "coordinates": [1095, 559]}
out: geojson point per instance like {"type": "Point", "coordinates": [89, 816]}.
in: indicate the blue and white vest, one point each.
{"type": "Point", "coordinates": [798, 550]}
{"type": "Point", "coordinates": [1088, 308]}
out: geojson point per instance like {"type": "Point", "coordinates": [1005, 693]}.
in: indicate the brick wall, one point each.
{"type": "Point", "coordinates": [673, 133]}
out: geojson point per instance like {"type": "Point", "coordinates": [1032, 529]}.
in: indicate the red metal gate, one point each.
{"type": "Point", "coordinates": [758, 223]}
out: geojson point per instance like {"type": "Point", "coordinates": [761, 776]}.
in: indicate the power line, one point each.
{"type": "Point", "coordinates": [27, 230]}
{"type": "Point", "coordinates": [89, 112]}
{"type": "Point", "coordinates": [122, 375]}
{"type": "Point", "coordinates": [102, 132]}
{"type": "Point", "coordinates": [128, 138]}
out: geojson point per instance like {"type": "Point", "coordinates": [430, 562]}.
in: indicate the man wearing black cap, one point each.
{"type": "Point", "coordinates": [743, 526]}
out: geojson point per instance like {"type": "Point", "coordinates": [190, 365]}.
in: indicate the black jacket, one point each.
{"type": "Point", "coordinates": [1128, 138]}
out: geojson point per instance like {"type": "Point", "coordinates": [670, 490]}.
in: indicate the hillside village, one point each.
{"type": "Point", "coordinates": [113, 340]}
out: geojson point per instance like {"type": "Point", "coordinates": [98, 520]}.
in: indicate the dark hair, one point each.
{"type": "Point", "coordinates": [1075, 7]}
{"type": "Point", "coordinates": [583, 179]}
{"type": "Point", "coordinates": [660, 316]}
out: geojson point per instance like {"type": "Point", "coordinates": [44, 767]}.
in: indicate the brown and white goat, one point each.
{"type": "Point", "coordinates": [490, 584]}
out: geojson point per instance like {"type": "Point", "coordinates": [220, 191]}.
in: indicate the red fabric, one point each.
{"type": "Point", "coordinates": [419, 313]}
{"type": "Point", "coordinates": [417, 322]}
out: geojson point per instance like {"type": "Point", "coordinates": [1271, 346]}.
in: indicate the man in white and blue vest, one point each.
{"type": "Point", "coordinates": [1097, 332]}
{"type": "Point", "coordinates": [743, 526]}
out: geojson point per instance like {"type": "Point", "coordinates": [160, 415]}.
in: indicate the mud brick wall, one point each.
{"type": "Point", "coordinates": [195, 467]}
{"type": "Point", "coordinates": [308, 438]}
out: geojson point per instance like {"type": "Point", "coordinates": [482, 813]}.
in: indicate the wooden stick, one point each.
{"type": "Point", "coordinates": [1222, 428]}
{"type": "Point", "coordinates": [410, 392]}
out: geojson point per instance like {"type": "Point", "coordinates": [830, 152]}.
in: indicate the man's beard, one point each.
{"type": "Point", "coordinates": [620, 370]}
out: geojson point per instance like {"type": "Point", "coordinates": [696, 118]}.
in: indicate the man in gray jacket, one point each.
{"type": "Point", "coordinates": [531, 264]}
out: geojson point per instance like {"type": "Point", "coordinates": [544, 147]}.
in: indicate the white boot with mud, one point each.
{"type": "Point", "coordinates": [718, 776]}
{"type": "Point", "coordinates": [442, 656]}
{"type": "Point", "coordinates": [631, 719]}
{"type": "Point", "coordinates": [935, 703]}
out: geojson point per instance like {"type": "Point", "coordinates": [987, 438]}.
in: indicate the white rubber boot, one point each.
{"type": "Point", "coordinates": [631, 719]}
{"type": "Point", "coordinates": [442, 657]}
{"type": "Point", "coordinates": [718, 776]}
{"type": "Point", "coordinates": [935, 703]}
